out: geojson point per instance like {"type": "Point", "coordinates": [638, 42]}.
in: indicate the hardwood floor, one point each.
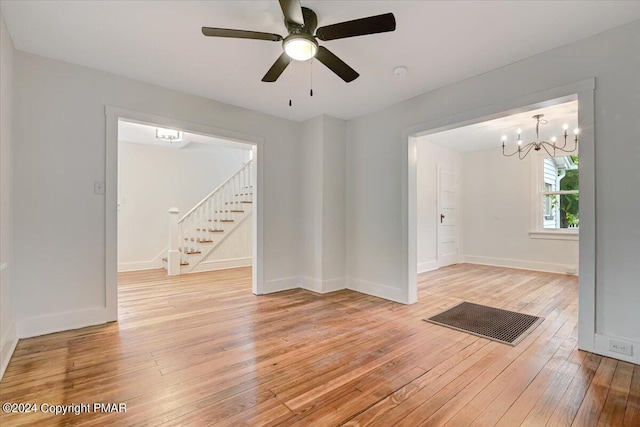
{"type": "Point", "coordinates": [200, 349]}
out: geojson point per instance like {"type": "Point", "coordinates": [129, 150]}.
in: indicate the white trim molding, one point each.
{"type": "Point", "coordinates": [377, 290]}
{"type": "Point", "coordinates": [322, 286]}
{"type": "Point", "coordinates": [48, 324]}
{"type": "Point", "coordinates": [113, 115]}
{"type": "Point", "coordinates": [423, 267]}
{"type": "Point", "coordinates": [7, 347]}
{"type": "Point", "coordinates": [222, 264]}
{"type": "Point", "coordinates": [156, 262]}
{"type": "Point", "coordinates": [584, 90]}
{"type": "Point", "coordinates": [282, 284]}
{"type": "Point", "coordinates": [555, 235]}
{"type": "Point", "coordinates": [522, 264]}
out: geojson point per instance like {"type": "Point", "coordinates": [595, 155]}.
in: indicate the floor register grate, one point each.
{"type": "Point", "coordinates": [508, 327]}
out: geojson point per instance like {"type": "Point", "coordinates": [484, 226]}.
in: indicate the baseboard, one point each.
{"type": "Point", "coordinates": [282, 284]}
{"type": "Point", "coordinates": [311, 284]}
{"type": "Point", "coordinates": [376, 290]}
{"type": "Point", "coordinates": [423, 267]}
{"type": "Point", "coordinates": [143, 265]}
{"type": "Point", "coordinates": [332, 285]}
{"type": "Point", "coordinates": [41, 325]}
{"type": "Point", "coordinates": [222, 264]}
{"type": "Point", "coordinates": [519, 264]}
{"type": "Point", "coordinates": [7, 346]}
{"type": "Point", "coordinates": [322, 286]}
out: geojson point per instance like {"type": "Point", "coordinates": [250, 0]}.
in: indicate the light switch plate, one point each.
{"type": "Point", "coordinates": [98, 187]}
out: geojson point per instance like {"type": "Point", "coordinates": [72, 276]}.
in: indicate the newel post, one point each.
{"type": "Point", "coordinates": [173, 258]}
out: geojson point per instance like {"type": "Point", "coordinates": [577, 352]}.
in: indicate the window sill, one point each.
{"type": "Point", "coordinates": [555, 235]}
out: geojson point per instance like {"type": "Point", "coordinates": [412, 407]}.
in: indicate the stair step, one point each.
{"type": "Point", "coordinates": [233, 203]}
{"type": "Point", "coordinates": [244, 194]}
{"type": "Point", "coordinates": [191, 239]}
{"type": "Point", "coordinates": [192, 252]}
{"type": "Point", "coordinates": [220, 220]}
{"type": "Point", "coordinates": [211, 230]}
{"type": "Point", "coordinates": [245, 201]}
{"type": "Point", "coordinates": [231, 210]}
{"type": "Point", "coordinates": [182, 263]}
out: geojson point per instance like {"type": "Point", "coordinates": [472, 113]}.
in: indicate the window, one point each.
{"type": "Point", "coordinates": [548, 203]}
{"type": "Point", "coordinates": [556, 197]}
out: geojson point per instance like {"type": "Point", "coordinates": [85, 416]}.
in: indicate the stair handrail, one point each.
{"type": "Point", "coordinates": [219, 187]}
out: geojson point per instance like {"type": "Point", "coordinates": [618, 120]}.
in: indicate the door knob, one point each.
{"type": "Point", "coordinates": [441, 218]}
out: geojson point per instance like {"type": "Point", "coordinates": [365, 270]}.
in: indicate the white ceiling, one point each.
{"type": "Point", "coordinates": [482, 136]}
{"type": "Point", "coordinates": [440, 42]}
{"type": "Point", "coordinates": [139, 133]}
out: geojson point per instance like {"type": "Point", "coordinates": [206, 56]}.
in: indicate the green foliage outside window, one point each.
{"type": "Point", "coordinates": [569, 203]}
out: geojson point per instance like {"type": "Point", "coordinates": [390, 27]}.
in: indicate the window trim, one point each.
{"type": "Point", "coordinates": [537, 230]}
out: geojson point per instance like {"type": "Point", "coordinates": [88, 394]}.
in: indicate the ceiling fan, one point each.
{"type": "Point", "coordinates": [301, 44]}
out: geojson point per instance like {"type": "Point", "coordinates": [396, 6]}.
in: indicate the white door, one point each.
{"type": "Point", "coordinates": [447, 244]}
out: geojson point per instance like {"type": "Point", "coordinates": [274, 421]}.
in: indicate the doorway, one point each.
{"type": "Point", "coordinates": [246, 189]}
{"type": "Point", "coordinates": [583, 92]}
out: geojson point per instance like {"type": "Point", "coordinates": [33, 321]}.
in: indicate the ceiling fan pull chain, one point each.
{"type": "Point", "coordinates": [290, 67]}
{"type": "Point", "coordinates": [311, 66]}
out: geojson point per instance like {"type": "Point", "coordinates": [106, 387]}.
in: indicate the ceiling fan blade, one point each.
{"type": "Point", "coordinates": [292, 11]}
{"type": "Point", "coordinates": [277, 68]}
{"type": "Point", "coordinates": [336, 65]}
{"type": "Point", "coordinates": [240, 34]}
{"type": "Point", "coordinates": [358, 27]}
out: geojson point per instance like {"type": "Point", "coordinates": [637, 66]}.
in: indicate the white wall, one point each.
{"type": "Point", "coordinates": [429, 156]}
{"type": "Point", "coordinates": [153, 179]}
{"type": "Point", "coordinates": [497, 215]}
{"type": "Point", "coordinates": [323, 204]}
{"type": "Point", "coordinates": [59, 151]}
{"type": "Point", "coordinates": [8, 338]}
{"type": "Point", "coordinates": [311, 164]}
{"type": "Point", "coordinates": [333, 204]}
{"type": "Point", "coordinates": [374, 163]}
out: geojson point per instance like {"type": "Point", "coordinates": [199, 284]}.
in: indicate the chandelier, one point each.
{"type": "Point", "coordinates": [549, 147]}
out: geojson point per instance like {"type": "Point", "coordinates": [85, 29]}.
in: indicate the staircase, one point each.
{"type": "Point", "coordinates": [205, 227]}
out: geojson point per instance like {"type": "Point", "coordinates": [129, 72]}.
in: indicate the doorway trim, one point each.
{"type": "Point", "coordinates": [113, 115]}
{"type": "Point", "coordinates": [584, 92]}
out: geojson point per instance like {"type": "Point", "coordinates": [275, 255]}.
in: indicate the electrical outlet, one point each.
{"type": "Point", "coordinates": [621, 347]}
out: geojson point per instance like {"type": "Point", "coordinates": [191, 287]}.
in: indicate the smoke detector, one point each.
{"type": "Point", "coordinates": [400, 70]}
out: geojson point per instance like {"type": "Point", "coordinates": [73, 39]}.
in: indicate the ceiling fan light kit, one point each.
{"type": "Point", "coordinates": [301, 43]}
{"type": "Point", "coordinates": [300, 47]}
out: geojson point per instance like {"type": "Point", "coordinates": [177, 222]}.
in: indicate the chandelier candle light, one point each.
{"type": "Point", "coordinates": [549, 147]}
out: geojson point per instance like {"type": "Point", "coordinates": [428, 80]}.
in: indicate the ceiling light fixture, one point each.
{"type": "Point", "coordinates": [300, 46]}
{"type": "Point", "coordinates": [168, 135]}
{"type": "Point", "coordinates": [549, 147]}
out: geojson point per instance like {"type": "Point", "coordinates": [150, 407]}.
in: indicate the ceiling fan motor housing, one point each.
{"type": "Point", "coordinates": [309, 26]}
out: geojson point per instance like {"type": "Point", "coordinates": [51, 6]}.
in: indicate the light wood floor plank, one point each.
{"type": "Point", "coordinates": [200, 349]}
